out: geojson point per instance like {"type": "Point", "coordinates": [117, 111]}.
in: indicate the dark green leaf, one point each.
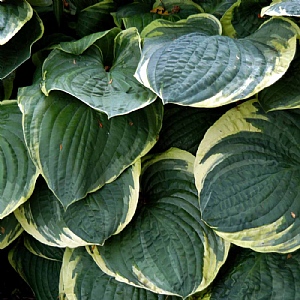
{"type": "Point", "coordinates": [76, 148]}
{"type": "Point", "coordinates": [10, 229]}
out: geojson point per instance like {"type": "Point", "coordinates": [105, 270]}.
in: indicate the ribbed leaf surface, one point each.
{"type": "Point", "coordinates": [255, 276]}
{"type": "Point", "coordinates": [91, 283]}
{"type": "Point", "coordinates": [14, 14]}
{"type": "Point", "coordinates": [166, 248]}
{"type": "Point", "coordinates": [89, 221]}
{"type": "Point", "coordinates": [41, 274]}
{"type": "Point", "coordinates": [247, 173]}
{"type": "Point", "coordinates": [10, 229]}
{"type": "Point", "coordinates": [18, 49]}
{"type": "Point", "coordinates": [215, 7]}
{"type": "Point", "coordinates": [78, 149]}
{"type": "Point", "coordinates": [282, 8]}
{"type": "Point", "coordinates": [203, 70]}
{"type": "Point", "coordinates": [113, 90]}
{"type": "Point", "coordinates": [17, 172]}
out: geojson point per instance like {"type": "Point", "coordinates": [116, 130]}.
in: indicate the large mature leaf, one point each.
{"type": "Point", "coordinates": [76, 148]}
{"type": "Point", "coordinates": [41, 274]}
{"type": "Point", "coordinates": [14, 14]}
{"type": "Point", "coordinates": [251, 275]}
{"type": "Point", "coordinates": [89, 221]}
{"type": "Point", "coordinates": [166, 248]}
{"type": "Point", "coordinates": [6, 86]}
{"type": "Point", "coordinates": [201, 70]}
{"type": "Point", "coordinates": [17, 172]}
{"type": "Point", "coordinates": [184, 127]}
{"type": "Point", "coordinates": [95, 18]}
{"type": "Point", "coordinates": [18, 48]}
{"type": "Point", "coordinates": [10, 229]}
{"type": "Point", "coordinates": [91, 283]}
{"type": "Point", "coordinates": [282, 8]}
{"type": "Point", "coordinates": [114, 91]}
{"type": "Point", "coordinates": [243, 18]}
{"type": "Point", "coordinates": [285, 93]}
{"type": "Point", "coordinates": [247, 174]}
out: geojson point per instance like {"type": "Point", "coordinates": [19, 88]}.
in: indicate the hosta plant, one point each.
{"type": "Point", "coordinates": [151, 149]}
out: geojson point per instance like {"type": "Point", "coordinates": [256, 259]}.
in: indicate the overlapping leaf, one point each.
{"type": "Point", "coordinates": [76, 148]}
{"type": "Point", "coordinates": [112, 88]}
{"type": "Point", "coordinates": [95, 18]}
{"type": "Point", "coordinates": [215, 7]}
{"type": "Point", "coordinates": [285, 93]}
{"type": "Point", "coordinates": [203, 70]}
{"type": "Point", "coordinates": [18, 49]}
{"type": "Point", "coordinates": [88, 221]}
{"type": "Point", "coordinates": [41, 274]}
{"type": "Point", "coordinates": [282, 8]}
{"type": "Point", "coordinates": [247, 173]}
{"type": "Point", "coordinates": [39, 249]}
{"type": "Point", "coordinates": [166, 248]}
{"type": "Point", "coordinates": [184, 127]}
{"type": "Point", "coordinates": [10, 229]}
{"type": "Point", "coordinates": [243, 18]}
{"type": "Point", "coordinates": [17, 172]}
{"type": "Point", "coordinates": [253, 276]}
{"type": "Point", "coordinates": [91, 283]}
{"type": "Point", "coordinates": [14, 14]}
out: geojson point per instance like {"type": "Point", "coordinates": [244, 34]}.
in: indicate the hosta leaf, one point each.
{"type": "Point", "coordinates": [166, 31]}
{"type": "Point", "coordinates": [18, 48]}
{"type": "Point", "coordinates": [243, 18]}
{"type": "Point", "coordinates": [215, 7]}
{"type": "Point", "coordinates": [10, 229]}
{"type": "Point", "coordinates": [285, 93]}
{"type": "Point", "coordinates": [208, 71]}
{"type": "Point", "coordinates": [41, 274]}
{"type": "Point", "coordinates": [95, 18]}
{"type": "Point", "coordinates": [91, 283]}
{"type": "Point", "coordinates": [17, 172]}
{"type": "Point", "coordinates": [255, 276]}
{"type": "Point", "coordinates": [6, 86]}
{"type": "Point", "coordinates": [14, 14]}
{"type": "Point", "coordinates": [184, 127]}
{"type": "Point", "coordinates": [136, 14]}
{"type": "Point", "coordinates": [282, 8]}
{"type": "Point", "coordinates": [40, 2]}
{"type": "Point", "coordinates": [115, 91]}
{"type": "Point", "coordinates": [247, 175]}
{"type": "Point", "coordinates": [39, 249]}
{"type": "Point", "coordinates": [88, 221]}
{"type": "Point", "coordinates": [78, 149]}
{"type": "Point", "coordinates": [166, 248]}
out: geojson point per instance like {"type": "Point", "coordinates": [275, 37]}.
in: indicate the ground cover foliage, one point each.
{"type": "Point", "coordinates": [151, 149]}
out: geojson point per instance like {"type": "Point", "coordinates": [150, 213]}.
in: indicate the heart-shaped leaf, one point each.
{"type": "Point", "coordinates": [17, 172]}
{"type": "Point", "coordinates": [203, 70]}
{"type": "Point", "coordinates": [166, 248]}
{"type": "Point", "coordinates": [76, 148]}
{"type": "Point", "coordinates": [111, 89]}
{"type": "Point", "coordinates": [91, 283]}
{"type": "Point", "coordinates": [215, 7]}
{"type": "Point", "coordinates": [282, 8]}
{"type": "Point", "coordinates": [247, 175]}
{"type": "Point", "coordinates": [89, 221]}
